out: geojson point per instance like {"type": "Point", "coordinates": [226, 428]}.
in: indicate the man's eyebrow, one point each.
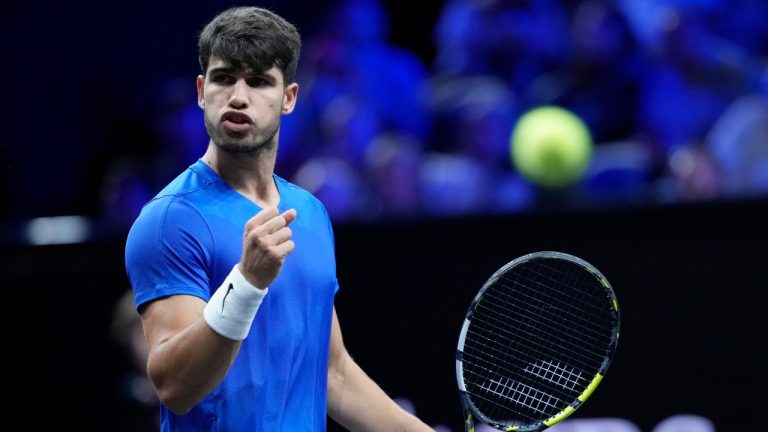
{"type": "Point", "coordinates": [231, 70]}
{"type": "Point", "coordinates": [223, 69]}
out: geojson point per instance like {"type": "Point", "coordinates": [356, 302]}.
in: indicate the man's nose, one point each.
{"type": "Point", "coordinates": [239, 96]}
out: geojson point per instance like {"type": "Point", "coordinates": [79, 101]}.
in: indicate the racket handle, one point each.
{"type": "Point", "coordinates": [469, 426]}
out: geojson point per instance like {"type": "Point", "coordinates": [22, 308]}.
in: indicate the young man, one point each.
{"type": "Point", "coordinates": [233, 268]}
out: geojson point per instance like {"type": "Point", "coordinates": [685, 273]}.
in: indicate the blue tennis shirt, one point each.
{"type": "Point", "coordinates": [186, 241]}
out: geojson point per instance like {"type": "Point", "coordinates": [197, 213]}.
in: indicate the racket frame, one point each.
{"type": "Point", "coordinates": [470, 410]}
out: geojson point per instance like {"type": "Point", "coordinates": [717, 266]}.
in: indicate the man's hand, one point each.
{"type": "Point", "coordinates": [266, 243]}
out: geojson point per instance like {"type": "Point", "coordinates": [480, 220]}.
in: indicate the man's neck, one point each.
{"type": "Point", "coordinates": [249, 174]}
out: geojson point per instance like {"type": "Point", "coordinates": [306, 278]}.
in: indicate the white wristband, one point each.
{"type": "Point", "coordinates": [233, 306]}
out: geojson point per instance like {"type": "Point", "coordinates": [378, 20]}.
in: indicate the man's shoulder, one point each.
{"type": "Point", "coordinates": [186, 183]}
{"type": "Point", "coordinates": [292, 189]}
{"type": "Point", "coordinates": [298, 195]}
{"type": "Point", "coordinates": [184, 194]}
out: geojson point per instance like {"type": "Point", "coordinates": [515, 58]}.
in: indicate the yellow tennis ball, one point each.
{"type": "Point", "coordinates": [551, 146]}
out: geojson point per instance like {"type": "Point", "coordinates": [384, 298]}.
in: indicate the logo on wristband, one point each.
{"type": "Point", "coordinates": [224, 300]}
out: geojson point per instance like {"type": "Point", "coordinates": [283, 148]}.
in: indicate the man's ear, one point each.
{"type": "Point", "coordinates": [201, 91]}
{"type": "Point", "coordinates": [289, 97]}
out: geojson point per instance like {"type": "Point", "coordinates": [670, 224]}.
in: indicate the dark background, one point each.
{"type": "Point", "coordinates": [690, 282]}
{"type": "Point", "coordinates": [690, 276]}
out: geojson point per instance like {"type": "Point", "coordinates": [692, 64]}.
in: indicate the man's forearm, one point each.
{"type": "Point", "coordinates": [356, 402]}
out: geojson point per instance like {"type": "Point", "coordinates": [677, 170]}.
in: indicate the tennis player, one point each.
{"type": "Point", "coordinates": [233, 268]}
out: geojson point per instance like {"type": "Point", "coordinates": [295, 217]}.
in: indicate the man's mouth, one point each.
{"type": "Point", "coordinates": [236, 122]}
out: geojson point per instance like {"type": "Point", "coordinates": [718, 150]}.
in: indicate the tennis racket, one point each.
{"type": "Point", "coordinates": [536, 341]}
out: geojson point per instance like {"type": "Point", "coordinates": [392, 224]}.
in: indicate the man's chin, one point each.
{"type": "Point", "coordinates": [238, 148]}
{"type": "Point", "coordinates": [241, 147]}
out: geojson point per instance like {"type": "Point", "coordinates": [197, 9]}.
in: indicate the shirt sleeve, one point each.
{"type": "Point", "coordinates": [329, 226]}
{"type": "Point", "coordinates": [167, 252]}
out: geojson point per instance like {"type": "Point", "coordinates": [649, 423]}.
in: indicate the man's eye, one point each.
{"type": "Point", "coordinates": [221, 79]}
{"type": "Point", "coordinates": [257, 82]}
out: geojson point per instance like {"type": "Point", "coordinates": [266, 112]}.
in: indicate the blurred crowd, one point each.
{"type": "Point", "coordinates": [674, 93]}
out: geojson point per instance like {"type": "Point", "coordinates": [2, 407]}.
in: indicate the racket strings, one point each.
{"type": "Point", "coordinates": [567, 377]}
{"type": "Point", "coordinates": [512, 328]}
{"type": "Point", "coordinates": [523, 327]}
{"type": "Point", "coordinates": [586, 328]}
{"type": "Point", "coordinates": [526, 368]}
{"type": "Point", "coordinates": [594, 305]}
{"type": "Point", "coordinates": [560, 325]}
{"type": "Point", "coordinates": [506, 390]}
{"type": "Point", "coordinates": [500, 358]}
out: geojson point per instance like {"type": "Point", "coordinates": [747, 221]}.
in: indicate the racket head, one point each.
{"type": "Point", "coordinates": [536, 341]}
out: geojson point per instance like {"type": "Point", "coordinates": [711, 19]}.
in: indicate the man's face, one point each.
{"type": "Point", "coordinates": [243, 107]}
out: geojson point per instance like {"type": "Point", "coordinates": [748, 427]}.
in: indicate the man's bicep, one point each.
{"type": "Point", "coordinates": [166, 317]}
